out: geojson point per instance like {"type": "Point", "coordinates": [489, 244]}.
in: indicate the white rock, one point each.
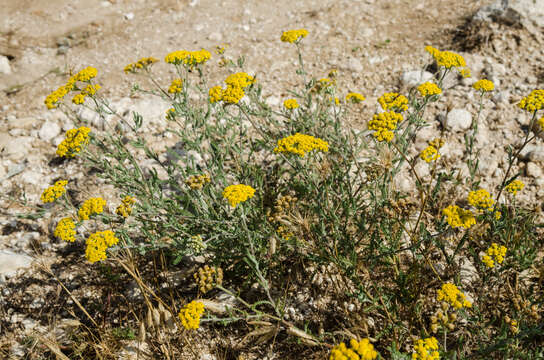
{"type": "Point", "coordinates": [129, 16]}
{"type": "Point", "coordinates": [32, 177]}
{"type": "Point", "coordinates": [18, 147]}
{"type": "Point", "coordinates": [49, 130]}
{"type": "Point", "coordinates": [533, 170]}
{"type": "Point", "coordinates": [354, 65]}
{"type": "Point", "coordinates": [10, 262]}
{"type": "Point", "coordinates": [536, 155]}
{"type": "Point", "coordinates": [5, 68]}
{"type": "Point", "coordinates": [527, 13]}
{"type": "Point", "coordinates": [215, 36]}
{"type": "Point", "coordinates": [415, 77]}
{"type": "Point", "coordinates": [273, 100]}
{"type": "Point", "coordinates": [458, 120]}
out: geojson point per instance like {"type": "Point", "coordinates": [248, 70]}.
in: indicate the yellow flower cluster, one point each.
{"type": "Point", "coordinates": [483, 85]}
{"type": "Point", "coordinates": [430, 153]}
{"type": "Point", "coordinates": [533, 102]}
{"type": "Point", "coordinates": [446, 59]}
{"type": "Point", "coordinates": [176, 86]}
{"type": "Point", "coordinates": [515, 186]}
{"type": "Point", "coordinates": [426, 349]}
{"type": "Point", "coordinates": [208, 277]}
{"type": "Point", "coordinates": [196, 182]}
{"type": "Point", "coordinates": [188, 58]}
{"type": "Point", "coordinates": [452, 296]}
{"type": "Point", "coordinates": [393, 101]}
{"type": "Point", "coordinates": [140, 64]}
{"type": "Point", "coordinates": [465, 72]}
{"type": "Point", "coordinates": [98, 243]}
{"type": "Point", "coordinates": [494, 253]}
{"type": "Point", "coordinates": [292, 36]}
{"type": "Point", "coordinates": [91, 207]}
{"type": "Point", "coordinates": [52, 193]}
{"type": "Point", "coordinates": [290, 104]}
{"type": "Point", "coordinates": [236, 194]}
{"type": "Point", "coordinates": [360, 350]}
{"type": "Point", "coordinates": [323, 83]}
{"type": "Point", "coordinates": [236, 83]}
{"type": "Point", "coordinates": [300, 144]}
{"type": "Point", "coordinates": [52, 100]}
{"type": "Point", "coordinates": [284, 232]}
{"type": "Point", "coordinates": [383, 124]}
{"type": "Point", "coordinates": [457, 217]}
{"type": "Point", "coordinates": [125, 208]}
{"type": "Point", "coordinates": [197, 244]}
{"type": "Point", "coordinates": [355, 97]}
{"type": "Point", "coordinates": [541, 123]}
{"type": "Point", "coordinates": [481, 199]}
{"type": "Point", "coordinates": [190, 315]}
{"type": "Point", "coordinates": [66, 230]}
{"type": "Point", "coordinates": [429, 89]}
{"type": "Point", "coordinates": [89, 90]}
{"type": "Point", "coordinates": [71, 145]}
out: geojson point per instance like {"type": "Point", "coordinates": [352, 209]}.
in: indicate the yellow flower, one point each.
{"type": "Point", "coordinates": [52, 100]}
{"type": "Point", "coordinates": [91, 89]}
{"type": "Point", "coordinates": [429, 89]}
{"type": "Point", "coordinates": [170, 113]}
{"type": "Point", "coordinates": [216, 94]}
{"type": "Point", "coordinates": [52, 193]}
{"type": "Point", "coordinates": [176, 86]}
{"type": "Point", "coordinates": [465, 72]}
{"type": "Point", "coordinates": [293, 36]}
{"type": "Point", "coordinates": [453, 296]}
{"type": "Point", "coordinates": [208, 277]}
{"type": "Point", "coordinates": [125, 208]}
{"type": "Point", "coordinates": [75, 139]}
{"type": "Point", "coordinates": [78, 99]}
{"type": "Point", "coordinates": [446, 59]}
{"type": "Point", "coordinates": [541, 123]}
{"type": "Point", "coordinates": [233, 94]}
{"type": "Point", "coordinates": [495, 253]}
{"type": "Point", "coordinates": [383, 124]}
{"type": "Point", "coordinates": [533, 102]}
{"type": "Point", "coordinates": [457, 217]}
{"type": "Point", "coordinates": [481, 199]}
{"type": "Point", "coordinates": [140, 64]}
{"type": "Point", "coordinates": [240, 79]}
{"type": "Point", "coordinates": [426, 349]}
{"type": "Point", "coordinates": [483, 85]}
{"type": "Point", "coordinates": [290, 104]}
{"type": "Point", "coordinates": [514, 186]}
{"type": "Point", "coordinates": [360, 350]}
{"type": "Point", "coordinates": [66, 230]}
{"type": "Point", "coordinates": [190, 315]}
{"type": "Point", "coordinates": [393, 101]}
{"type": "Point", "coordinates": [355, 97]}
{"type": "Point", "coordinates": [430, 153]}
{"type": "Point", "coordinates": [86, 74]}
{"type": "Point", "coordinates": [236, 194]}
{"type": "Point", "coordinates": [98, 243]}
{"type": "Point", "coordinates": [188, 58]}
{"type": "Point", "coordinates": [91, 207]}
{"type": "Point", "coordinates": [486, 259]}
{"type": "Point", "coordinates": [300, 144]}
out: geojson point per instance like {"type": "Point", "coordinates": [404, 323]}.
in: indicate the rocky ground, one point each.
{"type": "Point", "coordinates": [377, 46]}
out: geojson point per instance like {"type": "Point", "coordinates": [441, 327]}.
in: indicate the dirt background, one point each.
{"type": "Point", "coordinates": [372, 43]}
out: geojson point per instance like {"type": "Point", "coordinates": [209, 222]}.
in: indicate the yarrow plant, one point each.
{"type": "Point", "coordinates": [54, 192]}
{"type": "Point", "coordinates": [293, 36]}
{"type": "Point", "coordinates": [237, 194]}
{"type": "Point", "coordinates": [74, 141]}
{"type": "Point", "coordinates": [190, 315]}
{"type": "Point", "coordinates": [495, 253]}
{"type": "Point", "coordinates": [300, 144]}
{"type": "Point", "coordinates": [358, 350]}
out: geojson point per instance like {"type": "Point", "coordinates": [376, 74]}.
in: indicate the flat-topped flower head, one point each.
{"type": "Point", "coordinates": [92, 206]}
{"type": "Point", "coordinates": [393, 101]}
{"type": "Point", "coordinates": [66, 230]}
{"type": "Point", "coordinates": [98, 243]}
{"type": "Point", "coordinates": [190, 315]}
{"type": "Point", "coordinates": [495, 253]}
{"type": "Point", "coordinates": [86, 74]}
{"type": "Point", "coordinates": [290, 104]}
{"type": "Point", "coordinates": [176, 86]}
{"type": "Point", "coordinates": [197, 182]}
{"type": "Point", "coordinates": [237, 194]}
{"type": "Point", "coordinates": [483, 85]}
{"type": "Point", "coordinates": [450, 294]}
{"type": "Point", "coordinates": [143, 63]}
{"type": "Point", "coordinates": [240, 79]}
{"type": "Point", "coordinates": [188, 58]}
{"type": "Point", "coordinates": [359, 350]}
{"type": "Point", "coordinates": [514, 186]}
{"type": "Point", "coordinates": [293, 36]}
{"type": "Point", "coordinates": [383, 125]}
{"type": "Point", "coordinates": [216, 94]}
{"type": "Point", "coordinates": [426, 349]}
{"type": "Point", "coordinates": [446, 59]}
{"type": "Point", "coordinates": [75, 139]}
{"type": "Point", "coordinates": [429, 89]}
{"type": "Point", "coordinates": [300, 144]}
{"type": "Point", "coordinates": [481, 199]}
{"type": "Point", "coordinates": [430, 153]}
{"type": "Point", "coordinates": [533, 102]}
{"type": "Point", "coordinates": [457, 217]}
{"type": "Point", "coordinates": [232, 94]}
{"type": "Point", "coordinates": [355, 97]}
{"type": "Point", "coordinates": [52, 193]}
{"type": "Point", "coordinates": [125, 208]}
